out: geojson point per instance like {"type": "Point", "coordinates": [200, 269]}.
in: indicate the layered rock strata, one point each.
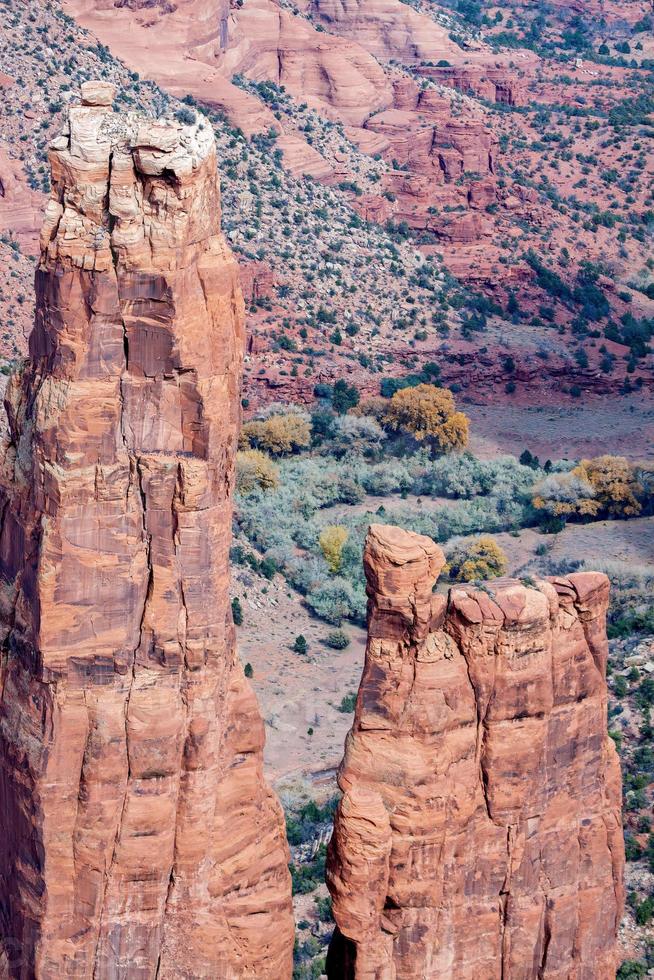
{"type": "Point", "coordinates": [139, 838]}
{"type": "Point", "coordinates": [479, 834]}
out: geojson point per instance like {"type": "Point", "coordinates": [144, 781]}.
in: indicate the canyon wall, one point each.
{"type": "Point", "coordinates": [139, 837]}
{"type": "Point", "coordinates": [479, 834]}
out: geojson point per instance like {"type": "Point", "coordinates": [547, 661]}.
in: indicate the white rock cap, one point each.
{"type": "Point", "coordinates": [98, 93]}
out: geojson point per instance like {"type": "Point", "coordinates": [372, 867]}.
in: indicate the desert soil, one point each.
{"type": "Point", "coordinates": [609, 425]}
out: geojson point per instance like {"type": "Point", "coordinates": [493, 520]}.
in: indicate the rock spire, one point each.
{"type": "Point", "coordinates": [139, 838]}
{"type": "Point", "coordinates": [479, 835]}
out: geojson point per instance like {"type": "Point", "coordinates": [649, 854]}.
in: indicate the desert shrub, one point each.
{"type": "Point", "coordinates": [375, 407]}
{"type": "Point", "coordinates": [382, 479]}
{"type": "Point", "coordinates": [305, 878]}
{"type": "Point", "coordinates": [324, 909]}
{"type": "Point", "coordinates": [267, 567]}
{"type": "Point", "coordinates": [428, 413]}
{"type": "Point", "coordinates": [323, 426]}
{"type": "Point", "coordinates": [355, 434]}
{"type": "Point", "coordinates": [565, 494]}
{"type": "Point", "coordinates": [620, 686]}
{"type": "Point", "coordinates": [248, 670]}
{"type": "Point", "coordinates": [644, 476]}
{"type": "Point", "coordinates": [255, 469]}
{"type": "Point", "coordinates": [623, 574]}
{"type": "Point", "coordinates": [337, 600]}
{"type": "Point", "coordinates": [186, 116]}
{"type": "Point", "coordinates": [337, 640]}
{"type": "Point", "coordinates": [456, 476]}
{"type": "Point", "coordinates": [332, 540]}
{"type": "Point", "coordinates": [307, 573]}
{"type": "Point", "coordinates": [631, 970]}
{"type": "Point", "coordinates": [464, 476]}
{"type": "Point", "coordinates": [476, 560]}
{"type": "Point", "coordinates": [630, 622]}
{"type": "Point", "coordinates": [279, 430]}
{"type": "Point", "coordinates": [631, 609]}
{"type": "Point", "coordinates": [311, 969]}
{"type": "Point", "coordinates": [285, 523]}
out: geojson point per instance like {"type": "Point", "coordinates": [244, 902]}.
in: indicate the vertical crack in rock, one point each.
{"type": "Point", "coordinates": [141, 837]}
{"type": "Point", "coordinates": [455, 857]}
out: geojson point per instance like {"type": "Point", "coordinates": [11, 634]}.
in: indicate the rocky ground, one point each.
{"type": "Point", "coordinates": [348, 231]}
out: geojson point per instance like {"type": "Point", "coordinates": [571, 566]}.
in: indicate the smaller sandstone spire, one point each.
{"type": "Point", "coordinates": [479, 834]}
{"type": "Point", "coordinates": [401, 568]}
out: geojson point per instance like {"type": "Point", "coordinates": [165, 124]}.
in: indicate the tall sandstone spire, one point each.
{"type": "Point", "coordinates": [138, 836]}
{"type": "Point", "coordinates": [479, 835]}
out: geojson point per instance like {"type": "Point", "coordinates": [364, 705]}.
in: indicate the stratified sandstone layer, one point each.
{"type": "Point", "coordinates": [479, 835]}
{"type": "Point", "coordinates": [138, 836]}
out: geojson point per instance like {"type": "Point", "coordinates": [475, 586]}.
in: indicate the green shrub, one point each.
{"type": "Point", "coordinates": [645, 911]}
{"type": "Point", "coordinates": [324, 909]}
{"type": "Point", "coordinates": [337, 640]}
{"type": "Point", "coordinates": [348, 703]}
{"type": "Point", "coordinates": [303, 824]}
{"type": "Point", "coordinates": [631, 969]}
{"type": "Point", "coordinates": [300, 645]}
{"type": "Point", "coordinates": [620, 686]}
{"type": "Point", "coordinates": [305, 878]}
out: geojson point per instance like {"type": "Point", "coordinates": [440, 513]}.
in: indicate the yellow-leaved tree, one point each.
{"type": "Point", "coordinates": [479, 559]}
{"type": "Point", "coordinates": [613, 478]}
{"type": "Point", "coordinates": [605, 485]}
{"type": "Point", "coordinates": [332, 541]}
{"type": "Point", "coordinates": [278, 434]}
{"type": "Point", "coordinates": [428, 413]}
{"type": "Point", "coordinates": [255, 469]}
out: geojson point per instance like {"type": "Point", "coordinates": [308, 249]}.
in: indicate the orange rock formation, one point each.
{"type": "Point", "coordinates": [139, 837]}
{"type": "Point", "coordinates": [479, 835]}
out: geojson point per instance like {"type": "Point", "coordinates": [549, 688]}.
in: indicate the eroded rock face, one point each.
{"type": "Point", "coordinates": [386, 28]}
{"type": "Point", "coordinates": [139, 837]}
{"type": "Point", "coordinates": [496, 83]}
{"type": "Point", "coordinates": [19, 205]}
{"type": "Point", "coordinates": [479, 835]}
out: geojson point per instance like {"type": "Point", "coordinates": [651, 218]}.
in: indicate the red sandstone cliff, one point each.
{"type": "Point", "coordinates": [138, 836]}
{"type": "Point", "coordinates": [479, 835]}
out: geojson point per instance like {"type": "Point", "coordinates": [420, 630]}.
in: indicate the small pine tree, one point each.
{"type": "Point", "coordinates": [344, 397]}
{"type": "Point", "coordinates": [237, 611]}
{"type": "Point", "coordinates": [300, 645]}
{"type": "Point", "coordinates": [248, 671]}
